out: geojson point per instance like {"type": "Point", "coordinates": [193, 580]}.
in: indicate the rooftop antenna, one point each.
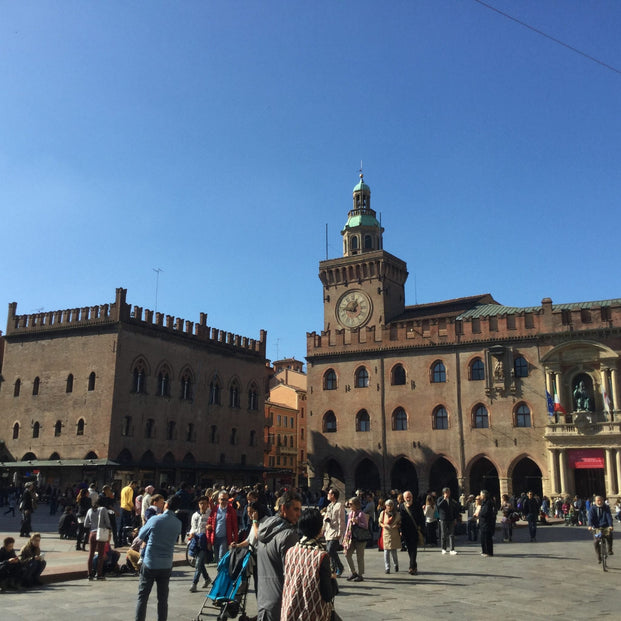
{"type": "Point", "coordinates": [326, 241]}
{"type": "Point", "coordinates": [157, 270]}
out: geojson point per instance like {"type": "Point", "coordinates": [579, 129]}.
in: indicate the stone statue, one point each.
{"type": "Point", "coordinates": [582, 399]}
{"type": "Point", "coordinates": [499, 371]}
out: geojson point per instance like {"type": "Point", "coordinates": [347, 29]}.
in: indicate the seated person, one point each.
{"type": "Point", "coordinates": [68, 524]}
{"type": "Point", "coordinates": [133, 560]}
{"type": "Point", "coordinates": [32, 561]}
{"type": "Point", "coordinates": [111, 560]}
{"type": "Point", "coordinates": [10, 567]}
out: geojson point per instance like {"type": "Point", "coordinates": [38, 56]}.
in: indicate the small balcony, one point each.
{"type": "Point", "coordinates": [584, 423]}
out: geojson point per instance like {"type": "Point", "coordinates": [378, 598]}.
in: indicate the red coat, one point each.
{"type": "Point", "coordinates": [231, 525]}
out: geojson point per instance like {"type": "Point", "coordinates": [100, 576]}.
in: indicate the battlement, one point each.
{"type": "Point", "coordinates": [120, 311]}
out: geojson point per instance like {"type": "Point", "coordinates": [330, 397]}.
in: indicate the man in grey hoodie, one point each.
{"type": "Point", "coordinates": [276, 535]}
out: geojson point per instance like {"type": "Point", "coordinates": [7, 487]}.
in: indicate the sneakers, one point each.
{"type": "Point", "coordinates": [443, 551]}
{"type": "Point", "coordinates": [193, 588]}
{"type": "Point", "coordinates": [339, 573]}
{"type": "Point", "coordinates": [352, 577]}
{"type": "Point", "coordinates": [207, 582]}
{"type": "Point", "coordinates": [453, 552]}
{"type": "Point", "coordinates": [358, 579]}
{"type": "Point", "coordinates": [387, 571]}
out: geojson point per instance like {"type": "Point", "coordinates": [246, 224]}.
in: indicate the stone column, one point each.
{"type": "Point", "coordinates": [614, 389]}
{"type": "Point", "coordinates": [504, 485]}
{"type": "Point", "coordinates": [563, 470]}
{"type": "Point", "coordinates": [618, 470]}
{"type": "Point", "coordinates": [552, 467]}
{"type": "Point", "coordinates": [610, 474]}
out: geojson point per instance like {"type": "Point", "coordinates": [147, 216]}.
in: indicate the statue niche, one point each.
{"type": "Point", "coordinates": [583, 393]}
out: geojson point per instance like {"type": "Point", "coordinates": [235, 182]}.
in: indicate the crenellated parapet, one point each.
{"type": "Point", "coordinates": [120, 311]}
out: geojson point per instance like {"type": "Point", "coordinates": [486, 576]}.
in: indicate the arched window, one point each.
{"type": "Point", "coordinates": [522, 416]}
{"type": "Point", "coordinates": [440, 418]}
{"type": "Point", "coordinates": [362, 378]}
{"type": "Point", "coordinates": [170, 430]}
{"type": "Point", "coordinates": [58, 427]}
{"type": "Point", "coordinates": [477, 370]}
{"type": "Point", "coordinates": [368, 242]}
{"type": "Point", "coordinates": [149, 429]}
{"type": "Point", "coordinates": [69, 386]}
{"type": "Point", "coordinates": [126, 429]}
{"type": "Point", "coordinates": [521, 367]}
{"type": "Point", "coordinates": [35, 386]}
{"type": "Point", "coordinates": [234, 436]}
{"type": "Point", "coordinates": [214, 392]}
{"type": "Point", "coordinates": [15, 431]}
{"type": "Point", "coordinates": [91, 381]}
{"type": "Point", "coordinates": [80, 428]}
{"type": "Point", "coordinates": [480, 417]}
{"type": "Point", "coordinates": [234, 395]}
{"type": "Point", "coordinates": [163, 383]}
{"type": "Point", "coordinates": [329, 422]}
{"type": "Point", "coordinates": [253, 438]}
{"type": "Point", "coordinates": [253, 397]}
{"type": "Point", "coordinates": [139, 384]}
{"type": "Point", "coordinates": [186, 386]}
{"type": "Point", "coordinates": [329, 380]}
{"type": "Point", "coordinates": [36, 428]}
{"type": "Point", "coordinates": [397, 376]}
{"type": "Point", "coordinates": [354, 242]}
{"type": "Point", "coordinates": [438, 372]}
{"type": "Point", "coordinates": [213, 434]}
{"type": "Point", "coordinates": [363, 422]}
{"type": "Point", "coordinates": [399, 420]}
{"type": "Point", "coordinates": [17, 387]}
{"type": "Point", "coordinates": [189, 433]}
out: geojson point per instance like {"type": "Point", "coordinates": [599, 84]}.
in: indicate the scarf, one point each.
{"type": "Point", "coordinates": [311, 542]}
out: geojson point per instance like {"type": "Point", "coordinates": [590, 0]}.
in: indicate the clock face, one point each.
{"type": "Point", "coordinates": [354, 309]}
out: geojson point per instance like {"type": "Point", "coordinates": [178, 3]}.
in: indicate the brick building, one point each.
{"type": "Point", "coordinates": [111, 392]}
{"type": "Point", "coordinates": [455, 392]}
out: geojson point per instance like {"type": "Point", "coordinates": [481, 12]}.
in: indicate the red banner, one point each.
{"type": "Point", "coordinates": [582, 459]}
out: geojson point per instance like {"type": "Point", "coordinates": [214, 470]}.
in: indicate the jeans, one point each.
{"type": "Point", "coordinates": [447, 534]}
{"type": "Point", "coordinates": [532, 526]}
{"type": "Point", "coordinates": [332, 548]}
{"type": "Point", "coordinates": [387, 555]}
{"type": "Point", "coordinates": [200, 567]}
{"type": "Point", "coordinates": [220, 548]}
{"type": "Point", "coordinates": [127, 519]}
{"type": "Point", "coordinates": [147, 577]}
{"type": "Point", "coordinates": [487, 541]}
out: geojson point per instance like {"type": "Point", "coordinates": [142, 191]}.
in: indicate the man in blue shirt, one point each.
{"type": "Point", "coordinates": [160, 533]}
{"type": "Point", "coordinates": [599, 516]}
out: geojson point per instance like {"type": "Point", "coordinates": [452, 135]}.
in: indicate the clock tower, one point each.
{"type": "Point", "coordinates": [366, 286]}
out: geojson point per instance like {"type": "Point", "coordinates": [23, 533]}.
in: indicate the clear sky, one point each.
{"type": "Point", "coordinates": [216, 140]}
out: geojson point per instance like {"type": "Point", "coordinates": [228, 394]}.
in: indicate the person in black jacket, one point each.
{"type": "Point", "coordinates": [26, 507]}
{"type": "Point", "coordinates": [487, 523]}
{"type": "Point", "coordinates": [412, 519]}
{"type": "Point", "coordinates": [448, 512]}
{"type": "Point", "coordinates": [530, 509]}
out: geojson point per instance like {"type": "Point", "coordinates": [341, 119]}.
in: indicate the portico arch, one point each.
{"type": "Point", "coordinates": [404, 477]}
{"type": "Point", "coordinates": [367, 476]}
{"type": "Point", "coordinates": [484, 475]}
{"type": "Point", "coordinates": [526, 475]}
{"type": "Point", "coordinates": [443, 474]}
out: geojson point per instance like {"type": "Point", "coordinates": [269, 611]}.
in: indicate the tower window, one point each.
{"type": "Point", "coordinates": [399, 420]}
{"type": "Point", "coordinates": [15, 431]}
{"type": "Point", "coordinates": [363, 422]}
{"type": "Point", "coordinates": [440, 418]}
{"type": "Point", "coordinates": [522, 416]}
{"type": "Point", "coordinates": [362, 378]}
{"type": "Point", "coordinates": [477, 370]}
{"type": "Point", "coordinates": [58, 428]}
{"type": "Point", "coordinates": [480, 418]}
{"type": "Point", "coordinates": [69, 387]}
{"type": "Point", "coordinates": [91, 381]}
{"type": "Point", "coordinates": [214, 393]}
{"type": "Point", "coordinates": [35, 386]}
{"type": "Point", "coordinates": [36, 428]}
{"type": "Point", "coordinates": [521, 367]}
{"type": "Point", "coordinates": [17, 387]}
{"type": "Point", "coordinates": [329, 422]}
{"type": "Point", "coordinates": [438, 373]}
{"type": "Point", "coordinates": [80, 428]}
{"type": "Point", "coordinates": [398, 375]}
{"type": "Point", "coordinates": [329, 380]}
{"type": "Point", "coordinates": [368, 242]}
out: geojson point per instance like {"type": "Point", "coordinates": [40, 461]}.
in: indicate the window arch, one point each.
{"type": "Point", "coordinates": [397, 375]}
{"type": "Point", "coordinates": [363, 421]}
{"type": "Point", "coordinates": [58, 428]}
{"type": "Point", "coordinates": [234, 394]}
{"type": "Point", "coordinates": [36, 429]}
{"type": "Point", "coordinates": [477, 370]}
{"type": "Point", "coordinates": [186, 386]}
{"type": "Point", "coordinates": [163, 382]}
{"type": "Point", "coordinates": [17, 387]}
{"type": "Point", "coordinates": [329, 380]}
{"type": "Point", "coordinates": [399, 420]}
{"type": "Point", "coordinates": [80, 428]}
{"type": "Point", "coordinates": [440, 418]}
{"type": "Point", "coordinates": [353, 243]}
{"type": "Point", "coordinates": [368, 242]}
{"type": "Point", "coordinates": [91, 381]}
{"type": "Point", "coordinates": [214, 392]}
{"type": "Point", "coordinates": [520, 366]}
{"type": "Point", "coordinates": [170, 430]}
{"type": "Point", "coordinates": [438, 372]}
{"type": "Point", "coordinates": [213, 434]}
{"type": "Point", "coordinates": [149, 429]}
{"type": "Point", "coordinates": [15, 431]}
{"type": "Point", "coordinates": [522, 416]}
{"type": "Point", "coordinates": [480, 417]}
{"type": "Point", "coordinates": [139, 384]}
{"type": "Point", "coordinates": [253, 397]}
{"type": "Point", "coordinates": [35, 386]}
{"type": "Point", "coordinates": [329, 422]}
{"type": "Point", "coordinates": [69, 384]}
{"type": "Point", "coordinates": [361, 378]}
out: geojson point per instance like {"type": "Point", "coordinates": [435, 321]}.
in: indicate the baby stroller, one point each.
{"type": "Point", "coordinates": [230, 587]}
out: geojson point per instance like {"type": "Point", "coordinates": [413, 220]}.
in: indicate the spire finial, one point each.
{"type": "Point", "coordinates": [361, 173]}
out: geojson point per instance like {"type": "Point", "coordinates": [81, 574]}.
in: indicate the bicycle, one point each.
{"type": "Point", "coordinates": [600, 535]}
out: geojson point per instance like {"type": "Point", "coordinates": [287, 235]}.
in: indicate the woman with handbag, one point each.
{"type": "Point", "coordinates": [98, 524]}
{"type": "Point", "coordinates": [83, 504]}
{"type": "Point", "coordinates": [357, 534]}
{"type": "Point", "coordinates": [390, 523]}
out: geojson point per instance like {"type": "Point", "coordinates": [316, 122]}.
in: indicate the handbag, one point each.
{"type": "Point", "coordinates": [103, 534]}
{"type": "Point", "coordinates": [360, 534]}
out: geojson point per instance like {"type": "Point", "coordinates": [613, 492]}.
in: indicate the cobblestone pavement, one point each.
{"type": "Point", "coordinates": [555, 577]}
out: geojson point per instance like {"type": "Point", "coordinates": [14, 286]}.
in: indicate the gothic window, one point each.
{"type": "Point", "coordinates": [80, 428]}
{"type": "Point", "coordinates": [163, 383]}
{"type": "Point", "coordinates": [58, 427]}
{"type": "Point", "coordinates": [139, 384]}
{"type": "Point", "coordinates": [438, 372]}
{"type": "Point", "coordinates": [69, 386]}
{"type": "Point", "coordinates": [397, 376]}
{"type": "Point", "coordinates": [234, 395]}
{"type": "Point", "coordinates": [368, 242]}
{"type": "Point", "coordinates": [329, 422]}
{"type": "Point", "coordinates": [15, 431]}
{"type": "Point", "coordinates": [440, 418]}
{"type": "Point", "coordinates": [91, 381]}
{"type": "Point", "coordinates": [149, 430]}
{"type": "Point", "coordinates": [214, 393]}
{"type": "Point", "coordinates": [170, 430]}
{"type": "Point", "coordinates": [17, 387]}
{"type": "Point", "coordinates": [253, 397]}
{"type": "Point", "coordinates": [477, 370]}
{"type": "Point", "coordinates": [127, 426]}
{"type": "Point", "coordinates": [522, 416]}
{"type": "Point", "coordinates": [233, 436]}
{"type": "Point", "coordinates": [36, 428]}
{"type": "Point", "coordinates": [363, 422]}
{"type": "Point", "coordinates": [329, 380]}
{"type": "Point", "coordinates": [480, 419]}
{"type": "Point", "coordinates": [35, 386]}
{"type": "Point", "coordinates": [520, 366]}
{"type": "Point", "coordinates": [362, 378]}
{"type": "Point", "coordinates": [213, 435]}
{"type": "Point", "coordinates": [186, 386]}
{"type": "Point", "coordinates": [253, 438]}
{"type": "Point", "coordinates": [354, 243]}
{"type": "Point", "coordinates": [399, 420]}
{"type": "Point", "coordinates": [189, 433]}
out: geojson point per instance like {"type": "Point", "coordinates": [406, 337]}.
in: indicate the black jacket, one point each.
{"type": "Point", "coordinates": [487, 515]}
{"type": "Point", "coordinates": [448, 509]}
{"type": "Point", "coordinates": [411, 521]}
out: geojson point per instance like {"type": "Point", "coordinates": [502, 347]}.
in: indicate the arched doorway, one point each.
{"type": "Point", "coordinates": [483, 475]}
{"type": "Point", "coordinates": [443, 474]}
{"type": "Point", "coordinates": [526, 477]}
{"type": "Point", "coordinates": [333, 476]}
{"type": "Point", "coordinates": [403, 476]}
{"type": "Point", "coordinates": [367, 476]}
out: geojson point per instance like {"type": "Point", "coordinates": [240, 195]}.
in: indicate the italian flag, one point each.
{"type": "Point", "coordinates": [557, 403]}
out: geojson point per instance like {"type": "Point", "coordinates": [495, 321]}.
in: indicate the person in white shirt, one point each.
{"type": "Point", "coordinates": [146, 501]}
{"type": "Point", "coordinates": [334, 529]}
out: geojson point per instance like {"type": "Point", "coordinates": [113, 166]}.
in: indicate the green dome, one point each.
{"type": "Point", "coordinates": [362, 187]}
{"type": "Point", "coordinates": [362, 220]}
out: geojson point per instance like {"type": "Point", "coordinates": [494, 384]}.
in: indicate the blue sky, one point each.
{"type": "Point", "coordinates": [215, 141]}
